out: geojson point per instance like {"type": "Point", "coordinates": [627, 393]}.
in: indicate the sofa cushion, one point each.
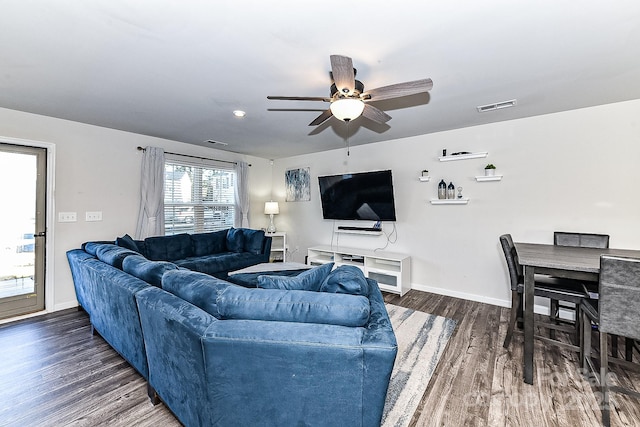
{"type": "Point", "coordinates": [149, 271]}
{"type": "Point", "coordinates": [199, 289]}
{"type": "Point", "coordinates": [168, 248]}
{"type": "Point", "coordinates": [112, 254]}
{"type": "Point", "coordinates": [346, 279]}
{"type": "Point", "coordinates": [253, 240]}
{"type": "Point", "coordinates": [309, 280]}
{"type": "Point", "coordinates": [92, 247]}
{"type": "Point", "coordinates": [293, 306]}
{"type": "Point", "coordinates": [209, 243]}
{"type": "Point", "coordinates": [222, 262]}
{"type": "Point", "coordinates": [235, 240]}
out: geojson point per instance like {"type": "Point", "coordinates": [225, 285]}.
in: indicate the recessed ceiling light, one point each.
{"type": "Point", "coordinates": [239, 113]}
{"type": "Point", "coordinates": [496, 106]}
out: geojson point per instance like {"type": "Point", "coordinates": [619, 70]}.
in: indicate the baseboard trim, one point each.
{"type": "Point", "coordinates": [537, 308]}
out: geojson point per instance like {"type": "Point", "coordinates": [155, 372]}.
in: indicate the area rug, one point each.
{"type": "Point", "coordinates": [422, 338]}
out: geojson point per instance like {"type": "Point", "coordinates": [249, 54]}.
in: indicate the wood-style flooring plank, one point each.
{"type": "Point", "coordinates": [55, 373]}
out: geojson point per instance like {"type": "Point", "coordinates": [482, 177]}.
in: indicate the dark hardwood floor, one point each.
{"type": "Point", "coordinates": [55, 373]}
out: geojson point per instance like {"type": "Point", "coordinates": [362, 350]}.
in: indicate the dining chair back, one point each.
{"type": "Point", "coordinates": [617, 314]}
{"type": "Point", "coordinates": [583, 240]}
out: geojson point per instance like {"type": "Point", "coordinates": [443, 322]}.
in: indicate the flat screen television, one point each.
{"type": "Point", "coordinates": [358, 196]}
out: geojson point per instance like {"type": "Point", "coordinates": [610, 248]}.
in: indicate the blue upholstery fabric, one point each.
{"type": "Point", "coordinates": [346, 279]}
{"type": "Point", "coordinates": [168, 248]}
{"type": "Point", "coordinates": [113, 254]}
{"type": "Point", "coordinates": [92, 247]}
{"type": "Point", "coordinates": [209, 243]}
{"type": "Point", "coordinates": [172, 330]}
{"type": "Point", "coordinates": [127, 241]}
{"type": "Point", "coordinates": [199, 289]}
{"type": "Point", "coordinates": [235, 240]}
{"type": "Point", "coordinates": [222, 262]}
{"type": "Point", "coordinates": [309, 280]}
{"type": "Point", "coordinates": [149, 271]}
{"type": "Point", "coordinates": [292, 306]}
{"type": "Point", "coordinates": [108, 295]}
{"type": "Point", "coordinates": [253, 240]}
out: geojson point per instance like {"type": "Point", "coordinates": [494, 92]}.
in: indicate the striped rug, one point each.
{"type": "Point", "coordinates": [422, 338]}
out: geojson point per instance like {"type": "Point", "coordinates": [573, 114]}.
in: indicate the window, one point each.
{"type": "Point", "coordinates": [198, 198]}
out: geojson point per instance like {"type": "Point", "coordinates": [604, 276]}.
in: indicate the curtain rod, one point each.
{"type": "Point", "coordinates": [195, 157]}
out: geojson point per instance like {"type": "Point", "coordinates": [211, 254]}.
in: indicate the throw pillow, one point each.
{"type": "Point", "coordinates": [127, 241]}
{"type": "Point", "coordinates": [346, 279]}
{"type": "Point", "coordinates": [310, 280]}
{"type": "Point", "coordinates": [235, 240]}
{"type": "Point", "coordinates": [253, 240]}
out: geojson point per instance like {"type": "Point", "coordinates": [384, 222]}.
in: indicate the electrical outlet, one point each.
{"type": "Point", "coordinates": [67, 217]}
{"type": "Point", "coordinates": [93, 216]}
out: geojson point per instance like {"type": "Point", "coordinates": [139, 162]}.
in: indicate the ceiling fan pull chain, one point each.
{"type": "Point", "coordinates": [348, 150]}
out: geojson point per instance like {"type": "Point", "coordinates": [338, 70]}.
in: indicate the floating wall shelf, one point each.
{"type": "Point", "coordinates": [484, 178]}
{"type": "Point", "coordinates": [464, 156]}
{"type": "Point", "coordinates": [424, 178]}
{"type": "Point", "coordinates": [463, 201]}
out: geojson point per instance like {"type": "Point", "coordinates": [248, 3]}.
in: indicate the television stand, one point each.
{"type": "Point", "coordinates": [391, 270]}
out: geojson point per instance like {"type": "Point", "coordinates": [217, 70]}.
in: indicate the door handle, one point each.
{"type": "Point", "coordinates": [40, 234]}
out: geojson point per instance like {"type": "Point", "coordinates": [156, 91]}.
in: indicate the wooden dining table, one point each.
{"type": "Point", "coordinates": [558, 261]}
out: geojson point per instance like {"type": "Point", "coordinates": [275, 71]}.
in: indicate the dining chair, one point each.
{"type": "Point", "coordinates": [617, 312]}
{"type": "Point", "coordinates": [549, 287]}
{"type": "Point", "coordinates": [583, 240]}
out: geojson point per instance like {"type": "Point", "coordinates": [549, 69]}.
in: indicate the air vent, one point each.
{"type": "Point", "coordinates": [211, 141]}
{"type": "Point", "coordinates": [496, 106]}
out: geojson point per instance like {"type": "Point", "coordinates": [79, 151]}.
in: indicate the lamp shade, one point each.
{"type": "Point", "coordinates": [347, 108]}
{"type": "Point", "coordinates": [271, 208]}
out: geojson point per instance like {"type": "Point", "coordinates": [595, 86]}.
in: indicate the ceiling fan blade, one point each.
{"type": "Point", "coordinates": [399, 89]}
{"type": "Point", "coordinates": [375, 114]}
{"type": "Point", "coordinates": [321, 118]}
{"type": "Point", "coordinates": [343, 75]}
{"type": "Point", "coordinates": [300, 98]}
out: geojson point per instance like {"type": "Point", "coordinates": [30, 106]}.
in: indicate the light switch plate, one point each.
{"type": "Point", "coordinates": [67, 217]}
{"type": "Point", "coordinates": [93, 216]}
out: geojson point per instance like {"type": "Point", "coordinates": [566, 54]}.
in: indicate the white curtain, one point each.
{"type": "Point", "coordinates": [242, 195]}
{"type": "Point", "coordinates": [151, 214]}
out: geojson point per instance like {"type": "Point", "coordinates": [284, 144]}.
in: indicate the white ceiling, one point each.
{"type": "Point", "coordinates": [176, 69]}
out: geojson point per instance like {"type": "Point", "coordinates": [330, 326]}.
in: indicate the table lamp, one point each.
{"type": "Point", "coordinates": [271, 209]}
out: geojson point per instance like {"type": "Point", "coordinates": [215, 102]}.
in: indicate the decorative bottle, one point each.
{"type": "Point", "coordinates": [451, 191]}
{"type": "Point", "coordinates": [442, 189]}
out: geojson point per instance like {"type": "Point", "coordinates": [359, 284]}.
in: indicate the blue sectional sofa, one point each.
{"type": "Point", "coordinates": [214, 253]}
{"type": "Point", "coordinates": [314, 349]}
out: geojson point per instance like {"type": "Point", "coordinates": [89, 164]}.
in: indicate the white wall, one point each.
{"type": "Point", "coordinates": [98, 169]}
{"type": "Point", "coordinates": [575, 170]}
{"type": "Point", "coordinates": [572, 171]}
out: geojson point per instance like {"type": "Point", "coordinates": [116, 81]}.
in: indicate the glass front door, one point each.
{"type": "Point", "coordinates": [22, 229]}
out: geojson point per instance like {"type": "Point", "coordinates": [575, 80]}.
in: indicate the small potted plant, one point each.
{"type": "Point", "coordinates": [489, 170]}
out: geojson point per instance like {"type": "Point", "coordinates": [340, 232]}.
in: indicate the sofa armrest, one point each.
{"type": "Point", "coordinates": [172, 330]}
{"type": "Point", "coordinates": [266, 246]}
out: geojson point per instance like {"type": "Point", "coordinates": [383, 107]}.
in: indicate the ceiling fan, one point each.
{"type": "Point", "coordinates": [348, 98]}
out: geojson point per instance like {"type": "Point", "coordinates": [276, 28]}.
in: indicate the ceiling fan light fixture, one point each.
{"type": "Point", "coordinates": [347, 109]}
